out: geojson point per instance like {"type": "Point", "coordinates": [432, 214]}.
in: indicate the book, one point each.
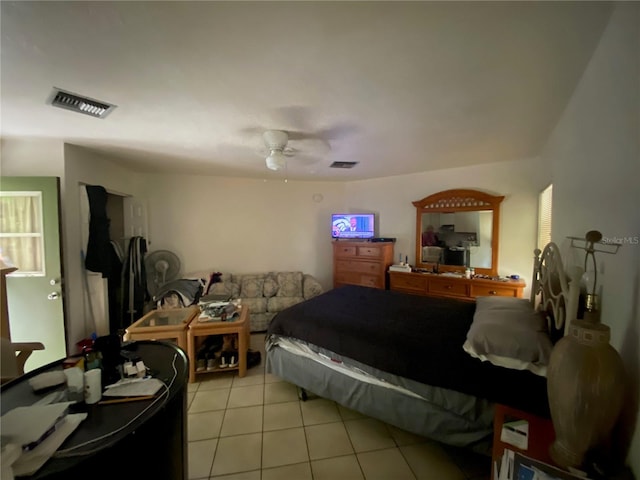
{"type": "Point", "coordinates": [527, 468]}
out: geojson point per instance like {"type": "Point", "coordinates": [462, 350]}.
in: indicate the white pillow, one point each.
{"type": "Point", "coordinates": [509, 333]}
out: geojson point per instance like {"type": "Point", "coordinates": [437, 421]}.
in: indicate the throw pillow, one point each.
{"type": "Point", "coordinates": [251, 287]}
{"type": "Point", "coordinates": [270, 286]}
{"type": "Point", "coordinates": [509, 333]}
{"type": "Point", "coordinates": [290, 284]}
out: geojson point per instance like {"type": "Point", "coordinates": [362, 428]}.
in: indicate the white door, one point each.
{"type": "Point", "coordinates": [30, 239]}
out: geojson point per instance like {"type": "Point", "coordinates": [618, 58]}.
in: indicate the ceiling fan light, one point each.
{"type": "Point", "coordinates": [276, 160]}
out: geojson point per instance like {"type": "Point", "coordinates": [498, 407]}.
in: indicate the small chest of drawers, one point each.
{"type": "Point", "coordinates": [361, 263]}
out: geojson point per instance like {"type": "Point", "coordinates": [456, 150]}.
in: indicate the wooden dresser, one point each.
{"type": "Point", "coordinates": [361, 263]}
{"type": "Point", "coordinates": [453, 287]}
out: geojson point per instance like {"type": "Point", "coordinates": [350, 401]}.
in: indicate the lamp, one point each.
{"type": "Point", "coordinates": [585, 376]}
{"type": "Point", "coordinates": [590, 277]}
{"type": "Point", "coordinates": [276, 160]}
{"type": "Point", "coordinates": [592, 243]}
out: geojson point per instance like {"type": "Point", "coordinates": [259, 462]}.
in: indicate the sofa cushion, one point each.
{"type": "Point", "coordinates": [270, 287]}
{"type": "Point", "coordinates": [277, 304]}
{"type": "Point", "coordinates": [251, 287]}
{"type": "Point", "coordinates": [290, 284]}
{"type": "Point", "coordinates": [255, 305]}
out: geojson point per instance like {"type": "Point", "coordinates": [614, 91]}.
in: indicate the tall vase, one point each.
{"type": "Point", "coordinates": [585, 384]}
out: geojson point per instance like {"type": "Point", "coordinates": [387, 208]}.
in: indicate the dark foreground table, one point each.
{"type": "Point", "coordinates": [133, 440]}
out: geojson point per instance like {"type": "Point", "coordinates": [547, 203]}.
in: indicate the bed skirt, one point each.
{"type": "Point", "coordinates": [402, 406]}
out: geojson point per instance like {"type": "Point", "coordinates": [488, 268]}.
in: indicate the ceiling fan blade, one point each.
{"type": "Point", "coordinates": [294, 116]}
{"type": "Point", "coordinates": [306, 160]}
{"type": "Point", "coordinates": [338, 132]}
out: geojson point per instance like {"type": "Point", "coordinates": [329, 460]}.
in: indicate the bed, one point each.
{"type": "Point", "coordinates": [412, 361]}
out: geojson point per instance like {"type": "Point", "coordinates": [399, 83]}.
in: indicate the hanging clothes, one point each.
{"type": "Point", "coordinates": [98, 258]}
{"type": "Point", "coordinates": [104, 255]}
{"type": "Point", "coordinates": [134, 282]}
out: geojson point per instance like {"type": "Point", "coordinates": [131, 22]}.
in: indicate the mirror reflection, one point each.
{"type": "Point", "coordinates": [457, 238]}
{"type": "Point", "coordinates": [456, 229]}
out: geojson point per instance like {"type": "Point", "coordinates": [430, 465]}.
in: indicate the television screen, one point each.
{"type": "Point", "coordinates": [353, 225]}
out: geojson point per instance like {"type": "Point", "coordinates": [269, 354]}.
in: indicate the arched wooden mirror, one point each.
{"type": "Point", "coordinates": [456, 229]}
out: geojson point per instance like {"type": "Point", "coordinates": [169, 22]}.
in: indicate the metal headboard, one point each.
{"type": "Point", "coordinates": [553, 290]}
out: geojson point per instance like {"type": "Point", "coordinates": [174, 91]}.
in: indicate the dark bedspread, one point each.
{"type": "Point", "coordinates": [412, 336]}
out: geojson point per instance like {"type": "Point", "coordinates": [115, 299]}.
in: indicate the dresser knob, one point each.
{"type": "Point", "coordinates": [448, 287]}
{"type": "Point", "coordinates": [492, 292]}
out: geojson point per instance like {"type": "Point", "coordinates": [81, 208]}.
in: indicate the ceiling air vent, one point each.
{"type": "Point", "coordinates": [80, 104]}
{"type": "Point", "coordinates": [343, 164]}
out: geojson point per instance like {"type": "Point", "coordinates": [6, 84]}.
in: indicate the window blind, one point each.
{"type": "Point", "coordinates": [544, 216]}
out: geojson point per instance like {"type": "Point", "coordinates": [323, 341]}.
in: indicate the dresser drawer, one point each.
{"type": "Point", "coordinates": [443, 286]}
{"type": "Point", "coordinates": [351, 278]}
{"type": "Point", "coordinates": [408, 283]}
{"type": "Point", "coordinates": [362, 267]}
{"type": "Point", "coordinates": [345, 251]}
{"type": "Point", "coordinates": [493, 291]}
{"type": "Point", "coordinates": [371, 281]}
{"type": "Point", "coordinates": [371, 252]}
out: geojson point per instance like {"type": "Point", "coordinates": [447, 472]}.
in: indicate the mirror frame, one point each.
{"type": "Point", "coordinates": [459, 200]}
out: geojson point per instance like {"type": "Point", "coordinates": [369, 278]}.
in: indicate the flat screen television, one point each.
{"type": "Point", "coordinates": [353, 225]}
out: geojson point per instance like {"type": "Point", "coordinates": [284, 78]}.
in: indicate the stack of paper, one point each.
{"type": "Point", "coordinates": [133, 387]}
{"type": "Point", "coordinates": [38, 430]}
{"type": "Point", "coordinates": [29, 426]}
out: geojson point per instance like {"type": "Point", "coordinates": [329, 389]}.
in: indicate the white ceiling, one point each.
{"type": "Point", "coordinates": [399, 87]}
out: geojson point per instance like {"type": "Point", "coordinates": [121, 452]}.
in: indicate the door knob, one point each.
{"type": "Point", "coordinates": [53, 296]}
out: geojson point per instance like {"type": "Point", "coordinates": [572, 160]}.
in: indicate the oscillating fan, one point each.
{"type": "Point", "coordinates": [161, 266]}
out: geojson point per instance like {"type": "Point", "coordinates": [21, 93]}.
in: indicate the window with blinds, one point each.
{"type": "Point", "coordinates": [21, 232]}
{"type": "Point", "coordinates": [544, 216]}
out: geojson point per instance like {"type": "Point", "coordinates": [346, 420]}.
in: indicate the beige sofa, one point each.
{"type": "Point", "coordinates": [264, 293]}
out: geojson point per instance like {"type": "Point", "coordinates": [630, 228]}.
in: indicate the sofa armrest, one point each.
{"type": "Point", "coordinates": [310, 287]}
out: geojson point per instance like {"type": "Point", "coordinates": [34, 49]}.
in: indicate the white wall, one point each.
{"type": "Point", "coordinates": [243, 225]}
{"type": "Point", "coordinates": [83, 167]}
{"type": "Point", "coordinates": [520, 182]}
{"type": "Point", "coordinates": [31, 157]}
{"type": "Point", "coordinates": [595, 160]}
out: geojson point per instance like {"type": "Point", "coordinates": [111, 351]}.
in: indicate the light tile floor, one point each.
{"type": "Point", "coordinates": [256, 428]}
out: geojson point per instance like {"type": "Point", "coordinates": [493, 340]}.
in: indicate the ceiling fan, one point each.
{"type": "Point", "coordinates": [276, 143]}
{"type": "Point", "coordinates": [297, 136]}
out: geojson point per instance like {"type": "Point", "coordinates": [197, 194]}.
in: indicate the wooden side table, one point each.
{"type": "Point", "coordinates": [541, 435]}
{"type": "Point", "coordinates": [168, 324]}
{"type": "Point", "coordinates": [197, 330]}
